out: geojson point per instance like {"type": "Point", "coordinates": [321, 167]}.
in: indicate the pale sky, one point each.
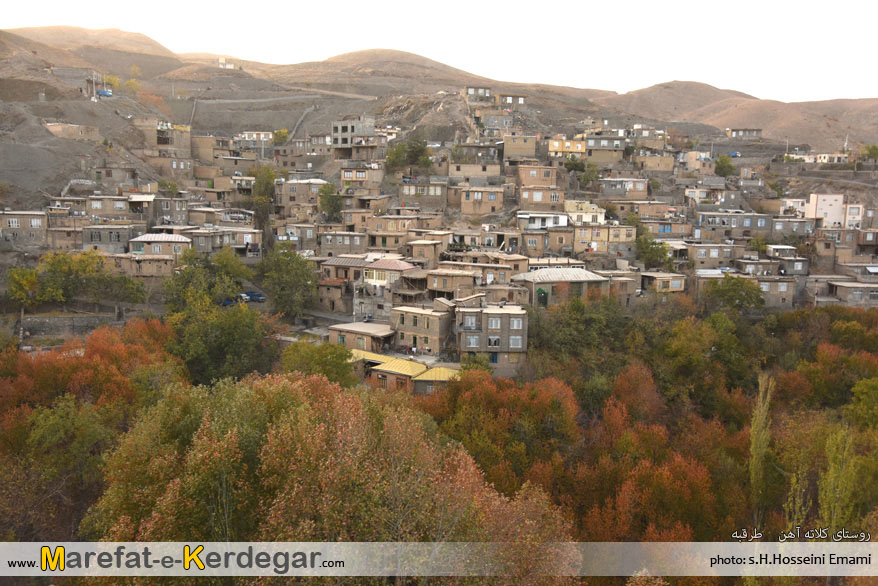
{"type": "Point", "coordinates": [770, 49]}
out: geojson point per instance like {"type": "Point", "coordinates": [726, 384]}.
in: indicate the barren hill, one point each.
{"type": "Point", "coordinates": [669, 101]}
{"type": "Point", "coordinates": [824, 125]}
{"type": "Point", "coordinates": [71, 37]}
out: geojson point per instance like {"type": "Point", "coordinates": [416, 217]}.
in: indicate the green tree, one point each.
{"type": "Point", "coordinates": [459, 155]}
{"type": "Point", "coordinates": [476, 362]}
{"type": "Point", "coordinates": [218, 278]}
{"type": "Point", "coordinates": [863, 409]}
{"type": "Point", "coordinates": [134, 71]}
{"type": "Point", "coordinates": [330, 201]}
{"type": "Point", "coordinates": [24, 286]}
{"type": "Point", "coordinates": [261, 201]}
{"type": "Point", "coordinates": [871, 151]}
{"type": "Point", "coordinates": [396, 157]}
{"type": "Point", "coordinates": [415, 150]}
{"type": "Point", "coordinates": [281, 136]}
{"type": "Point", "coordinates": [132, 86]}
{"type": "Point", "coordinates": [651, 253]}
{"type": "Point", "coordinates": [61, 276]}
{"type": "Point", "coordinates": [653, 186]}
{"type": "Point", "coordinates": [217, 342]}
{"type": "Point", "coordinates": [589, 175]}
{"type": "Point", "coordinates": [574, 164]}
{"type": "Point", "coordinates": [760, 438]}
{"type": "Point", "coordinates": [168, 187]}
{"type": "Point", "coordinates": [112, 81]}
{"type": "Point", "coordinates": [838, 487]}
{"type": "Point", "coordinates": [724, 166]}
{"type": "Point", "coordinates": [331, 360]}
{"type": "Point", "coordinates": [289, 279]}
{"type": "Point", "coordinates": [735, 293]}
{"type": "Point", "coordinates": [759, 244]}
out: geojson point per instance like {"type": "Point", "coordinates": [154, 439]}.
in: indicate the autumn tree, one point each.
{"type": "Point", "coordinates": [515, 433]}
{"type": "Point", "coordinates": [297, 458]}
{"type": "Point", "coordinates": [61, 411]}
{"type": "Point", "coordinates": [281, 136]}
{"type": "Point", "coordinates": [289, 279]}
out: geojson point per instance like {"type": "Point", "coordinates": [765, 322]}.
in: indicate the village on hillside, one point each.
{"type": "Point", "coordinates": [425, 252]}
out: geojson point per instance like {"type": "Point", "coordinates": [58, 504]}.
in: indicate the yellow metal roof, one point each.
{"type": "Point", "coordinates": [370, 356]}
{"type": "Point", "coordinates": [402, 366]}
{"type": "Point", "coordinates": [438, 374]}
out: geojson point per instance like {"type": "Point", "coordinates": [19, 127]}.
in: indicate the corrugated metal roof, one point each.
{"type": "Point", "coordinates": [341, 261]}
{"type": "Point", "coordinates": [161, 237]}
{"type": "Point", "coordinates": [555, 275]}
{"type": "Point", "coordinates": [438, 374]}
{"type": "Point", "coordinates": [368, 328]}
{"type": "Point", "coordinates": [402, 366]}
{"type": "Point", "coordinates": [369, 356]}
{"type": "Point", "coordinates": [387, 264]}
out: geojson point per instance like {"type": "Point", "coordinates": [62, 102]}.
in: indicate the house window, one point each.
{"type": "Point", "coordinates": [13, 223]}
{"type": "Point", "coordinates": [95, 236]}
{"type": "Point", "coordinates": [493, 341]}
{"type": "Point", "coordinates": [115, 237]}
{"type": "Point", "coordinates": [702, 253]}
{"type": "Point", "coordinates": [472, 341]}
{"type": "Point", "coordinates": [760, 223]}
{"type": "Point", "coordinates": [178, 249]}
{"type": "Point", "coordinates": [515, 323]}
{"type": "Point", "coordinates": [555, 196]}
{"type": "Point", "coordinates": [765, 287]}
{"type": "Point", "coordinates": [119, 205]}
{"type": "Point", "coordinates": [402, 319]}
{"type": "Point", "coordinates": [36, 222]}
{"type": "Point", "coordinates": [414, 321]}
{"type": "Point", "coordinates": [781, 287]}
{"type": "Point", "coordinates": [95, 204]}
{"type": "Point", "coordinates": [778, 225]}
{"type": "Point", "coordinates": [797, 266]}
{"type": "Point", "coordinates": [714, 253]}
{"type": "Point", "coordinates": [469, 321]}
{"type": "Point", "coordinates": [532, 242]}
{"type": "Point", "coordinates": [156, 248]}
{"type": "Point", "coordinates": [493, 323]}
{"type": "Point", "coordinates": [492, 358]}
{"type": "Point", "coordinates": [515, 341]}
{"type": "Point", "coordinates": [166, 205]}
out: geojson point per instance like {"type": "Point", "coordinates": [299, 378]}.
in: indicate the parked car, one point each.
{"type": "Point", "coordinates": [239, 298]}
{"type": "Point", "coordinates": [255, 296]}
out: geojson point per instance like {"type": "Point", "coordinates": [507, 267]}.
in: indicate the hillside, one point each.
{"type": "Point", "coordinates": [824, 125]}
{"type": "Point", "coordinates": [71, 37]}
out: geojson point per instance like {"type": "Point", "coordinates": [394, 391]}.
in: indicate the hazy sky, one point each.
{"type": "Point", "coordinates": [770, 49]}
